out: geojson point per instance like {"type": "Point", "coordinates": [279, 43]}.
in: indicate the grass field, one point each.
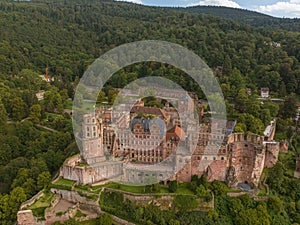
{"type": "Point", "coordinates": [132, 189]}
{"type": "Point", "coordinates": [163, 189]}
{"type": "Point", "coordinates": [183, 189]}
{"type": "Point", "coordinates": [43, 201]}
{"type": "Point", "coordinates": [65, 182]}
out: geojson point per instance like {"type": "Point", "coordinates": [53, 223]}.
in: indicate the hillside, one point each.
{"type": "Point", "coordinates": [67, 36]}
{"type": "Point", "coordinates": [248, 17]}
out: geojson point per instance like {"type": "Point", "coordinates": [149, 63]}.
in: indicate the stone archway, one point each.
{"type": "Point", "coordinates": [208, 172]}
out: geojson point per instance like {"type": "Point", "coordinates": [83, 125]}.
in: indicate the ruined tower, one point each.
{"type": "Point", "coordinates": [92, 139]}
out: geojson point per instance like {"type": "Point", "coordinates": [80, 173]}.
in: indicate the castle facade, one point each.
{"type": "Point", "coordinates": [155, 147]}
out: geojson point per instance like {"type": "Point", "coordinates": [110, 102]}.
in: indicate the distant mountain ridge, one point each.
{"type": "Point", "coordinates": [248, 17]}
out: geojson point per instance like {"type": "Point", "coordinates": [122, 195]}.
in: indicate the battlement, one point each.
{"type": "Point", "coordinates": [250, 138]}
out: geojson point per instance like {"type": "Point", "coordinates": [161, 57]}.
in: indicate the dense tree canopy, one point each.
{"type": "Point", "coordinates": [67, 36]}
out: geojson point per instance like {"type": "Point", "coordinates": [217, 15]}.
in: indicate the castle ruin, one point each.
{"type": "Point", "coordinates": [155, 146]}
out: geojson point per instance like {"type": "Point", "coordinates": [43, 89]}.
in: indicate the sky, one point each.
{"type": "Point", "coordinates": [277, 8]}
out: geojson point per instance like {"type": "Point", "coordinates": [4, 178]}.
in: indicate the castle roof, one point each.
{"type": "Point", "coordinates": [146, 123]}
{"type": "Point", "coordinates": [176, 132]}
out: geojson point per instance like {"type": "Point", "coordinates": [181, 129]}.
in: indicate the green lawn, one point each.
{"type": "Point", "coordinates": [43, 201]}
{"type": "Point", "coordinates": [65, 182]}
{"type": "Point", "coordinates": [128, 188]}
{"type": "Point", "coordinates": [87, 188]}
{"type": "Point", "coordinates": [123, 187]}
{"type": "Point", "coordinates": [163, 189]}
{"type": "Point", "coordinates": [183, 189]}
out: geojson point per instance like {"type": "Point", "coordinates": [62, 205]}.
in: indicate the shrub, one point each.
{"type": "Point", "coordinates": [185, 202]}
{"type": "Point", "coordinates": [172, 186]}
{"type": "Point", "coordinates": [105, 219]}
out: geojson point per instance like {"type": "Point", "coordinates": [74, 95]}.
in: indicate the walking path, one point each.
{"type": "Point", "coordinates": [38, 125]}
{"type": "Point", "coordinates": [46, 128]}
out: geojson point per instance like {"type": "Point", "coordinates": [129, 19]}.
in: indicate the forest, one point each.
{"type": "Point", "coordinates": [251, 18]}
{"type": "Point", "coordinates": [67, 36]}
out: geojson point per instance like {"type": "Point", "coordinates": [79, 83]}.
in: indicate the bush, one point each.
{"type": "Point", "coordinates": [185, 202]}
{"type": "Point", "coordinates": [105, 219]}
{"type": "Point", "coordinates": [208, 197]}
{"type": "Point", "coordinates": [112, 199]}
{"type": "Point", "coordinates": [172, 186]}
{"type": "Point", "coordinates": [61, 187]}
{"type": "Point", "coordinates": [39, 212]}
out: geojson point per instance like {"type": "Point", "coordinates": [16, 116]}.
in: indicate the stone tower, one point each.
{"type": "Point", "coordinates": [92, 139]}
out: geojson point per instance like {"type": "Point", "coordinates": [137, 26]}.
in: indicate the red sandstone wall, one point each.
{"type": "Point", "coordinates": [272, 151]}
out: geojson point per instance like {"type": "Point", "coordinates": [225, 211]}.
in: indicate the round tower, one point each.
{"type": "Point", "coordinates": [92, 139]}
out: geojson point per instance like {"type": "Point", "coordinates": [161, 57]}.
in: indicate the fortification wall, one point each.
{"type": "Point", "coordinates": [163, 201]}
{"type": "Point", "coordinates": [75, 197]}
{"type": "Point", "coordinates": [272, 151]}
{"type": "Point", "coordinates": [72, 173]}
{"type": "Point", "coordinates": [25, 217]}
{"type": "Point", "coordinates": [90, 174]}
{"type": "Point", "coordinates": [217, 170]}
{"type": "Point", "coordinates": [184, 174]}
{"type": "Point", "coordinates": [247, 157]}
{"type": "Point", "coordinates": [241, 137]}
{"type": "Point", "coordinates": [32, 200]}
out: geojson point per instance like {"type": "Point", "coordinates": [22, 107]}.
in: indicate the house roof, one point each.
{"type": "Point", "coordinates": [176, 132]}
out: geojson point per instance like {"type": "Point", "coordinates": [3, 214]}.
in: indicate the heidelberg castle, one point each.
{"type": "Point", "coordinates": [154, 146]}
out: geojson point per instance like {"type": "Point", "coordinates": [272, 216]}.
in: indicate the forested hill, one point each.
{"type": "Point", "coordinates": [67, 36]}
{"type": "Point", "coordinates": [248, 17]}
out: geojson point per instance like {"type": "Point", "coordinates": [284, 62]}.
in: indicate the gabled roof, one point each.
{"type": "Point", "coordinates": [146, 124]}
{"type": "Point", "coordinates": [176, 132]}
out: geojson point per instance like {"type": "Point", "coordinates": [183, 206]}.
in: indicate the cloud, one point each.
{"type": "Point", "coordinates": [132, 1]}
{"type": "Point", "coordinates": [280, 9]}
{"type": "Point", "coordinates": [227, 3]}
